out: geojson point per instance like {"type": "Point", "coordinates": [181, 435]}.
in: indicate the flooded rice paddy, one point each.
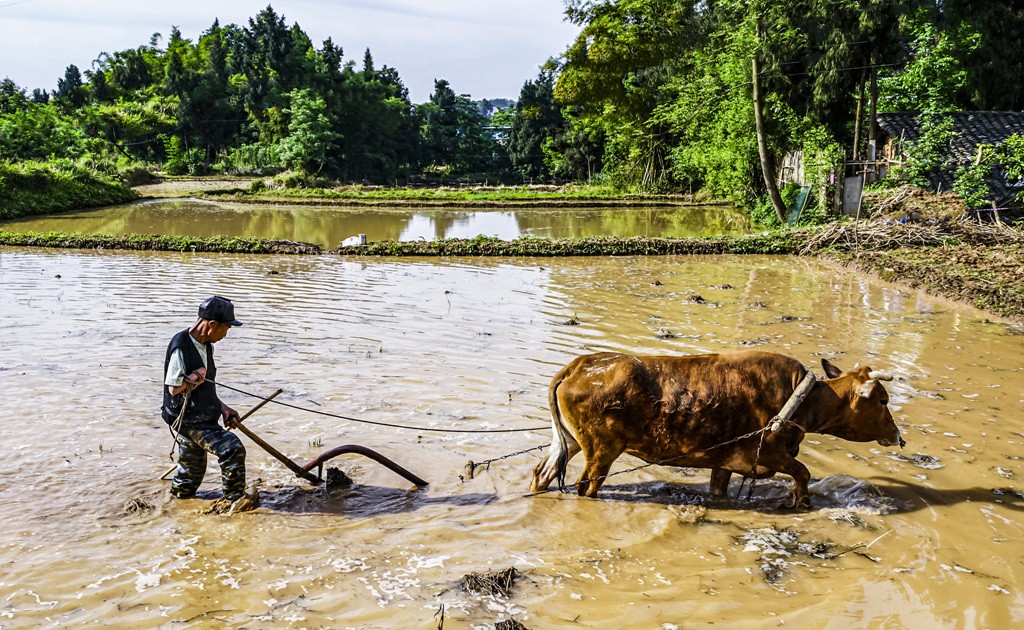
{"type": "Point", "coordinates": [931, 536]}
{"type": "Point", "coordinates": [327, 226]}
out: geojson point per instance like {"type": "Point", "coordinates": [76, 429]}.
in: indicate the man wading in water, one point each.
{"type": "Point", "coordinates": [191, 408]}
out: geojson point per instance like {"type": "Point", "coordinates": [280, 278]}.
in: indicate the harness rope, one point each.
{"type": "Point", "coordinates": [175, 427]}
{"type": "Point", "coordinates": [376, 423]}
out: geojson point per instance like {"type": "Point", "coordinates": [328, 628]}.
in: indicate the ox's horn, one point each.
{"type": "Point", "coordinates": [879, 375]}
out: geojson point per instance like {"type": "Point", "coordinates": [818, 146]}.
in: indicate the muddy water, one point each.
{"type": "Point", "coordinates": [329, 225]}
{"type": "Point", "coordinates": [928, 537]}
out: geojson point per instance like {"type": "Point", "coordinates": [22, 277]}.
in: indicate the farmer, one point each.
{"type": "Point", "coordinates": [188, 371]}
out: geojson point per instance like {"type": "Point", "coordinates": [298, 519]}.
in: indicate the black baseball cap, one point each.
{"type": "Point", "coordinates": [218, 309]}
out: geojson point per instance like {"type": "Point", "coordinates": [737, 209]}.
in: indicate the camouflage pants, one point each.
{"type": "Point", "coordinates": [193, 444]}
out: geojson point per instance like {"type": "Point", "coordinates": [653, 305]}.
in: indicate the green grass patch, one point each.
{"type": "Point", "coordinates": [153, 242]}
{"type": "Point", "coordinates": [771, 243]}
{"type": "Point", "coordinates": [429, 195]}
{"type": "Point", "coordinates": [31, 188]}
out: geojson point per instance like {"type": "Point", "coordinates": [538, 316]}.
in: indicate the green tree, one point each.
{"type": "Point", "coordinates": [935, 79]}
{"type": "Point", "coordinates": [614, 74]}
{"type": "Point", "coordinates": [537, 118]}
{"type": "Point", "coordinates": [177, 79]}
{"type": "Point", "coordinates": [311, 138]}
{"type": "Point", "coordinates": [39, 131]}
{"type": "Point", "coordinates": [209, 113]}
{"type": "Point", "coordinates": [99, 89]}
{"type": "Point", "coordinates": [453, 133]}
{"type": "Point", "coordinates": [12, 98]}
{"type": "Point", "coordinates": [70, 92]}
{"type": "Point", "coordinates": [135, 126]}
{"type": "Point", "coordinates": [996, 58]}
{"type": "Point", "coordinates": [380, 131]}
{"type": "Point", "coordinates": [129, 69]}
{"type": "Point", "coordinates": [577, 151]}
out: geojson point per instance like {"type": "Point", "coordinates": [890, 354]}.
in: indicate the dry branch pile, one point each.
{"type": "Point", "coordinates": [908, 200]}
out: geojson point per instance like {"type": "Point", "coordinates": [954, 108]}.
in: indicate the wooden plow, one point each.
{"type": "Point", "coordinates": [305, 472]}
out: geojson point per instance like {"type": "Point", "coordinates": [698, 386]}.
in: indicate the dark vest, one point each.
{"type": "Point", "coordinates": [203, 405]}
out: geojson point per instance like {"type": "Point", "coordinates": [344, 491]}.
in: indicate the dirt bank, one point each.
{"type": "Point", "coordinates": [935, 243]}
{"type": "Point", "coordinates": [189, 186]}
{"type": "Point", "coordinates": [989, 277]}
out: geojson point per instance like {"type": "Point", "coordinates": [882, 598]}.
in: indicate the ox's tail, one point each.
{"type": "Point", "coordinates": [560, 435]}
{"type": "Point", "coordinates": [562, 442]}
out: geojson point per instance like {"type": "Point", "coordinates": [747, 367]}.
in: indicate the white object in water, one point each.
{"type": "Point", "coordinates": [358, 239]}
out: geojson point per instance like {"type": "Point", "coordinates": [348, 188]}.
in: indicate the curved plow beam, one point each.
{"type": "Point", "coordinates": [361, 450]}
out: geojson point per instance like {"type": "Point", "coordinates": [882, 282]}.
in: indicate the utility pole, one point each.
{"type": "Point", "coordinates": [855, 154]}
{"type": "Point", "coordinates": [873, 117]}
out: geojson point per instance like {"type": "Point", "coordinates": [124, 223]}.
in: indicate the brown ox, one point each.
{"type": "Point", "coordinates": [704, 411]}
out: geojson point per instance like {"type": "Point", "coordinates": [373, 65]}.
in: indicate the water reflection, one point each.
{"type": "Point", "coordinates": [329, 225]}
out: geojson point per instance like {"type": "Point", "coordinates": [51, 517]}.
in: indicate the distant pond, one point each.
{"type": "Point", "coordinates": [329, 225]}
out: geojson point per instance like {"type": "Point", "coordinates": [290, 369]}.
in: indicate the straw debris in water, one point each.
{"type": "Point", "coordinates": [499, 583]}
{"type": "Point", "coordinates": [137, 505]}
{"type": "Point", "coordinates": [776, 546]}
{"type": "Point", "coordinates": [510, 624]}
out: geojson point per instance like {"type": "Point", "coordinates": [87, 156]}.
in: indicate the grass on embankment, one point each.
{"type": "Point", "coordinates": [31, 188]}
{"type": "Point", "coordinates": [154, 242]}
{"type": "Point", "coordinates": [769, 243]}
{"type": "Point", "coordinates": [472, 196]}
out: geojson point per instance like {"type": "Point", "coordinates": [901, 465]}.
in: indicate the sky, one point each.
{"type": "Point", "coordinates": [484, 48]}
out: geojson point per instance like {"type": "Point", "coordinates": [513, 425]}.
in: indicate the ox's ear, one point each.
{"type": "Point", "coordinates": [831, 371]}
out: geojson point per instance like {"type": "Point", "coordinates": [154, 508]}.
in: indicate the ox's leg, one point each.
{"type": "Point", "coordinates": [598, 462]}
{"type": "Point", "coordinates": [798, 494]}
{"type": "Point", "coordinates": [719, 485]}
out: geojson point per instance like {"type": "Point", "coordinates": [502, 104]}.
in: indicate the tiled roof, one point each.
{"type": "Point", "coordinates": [973, 128]}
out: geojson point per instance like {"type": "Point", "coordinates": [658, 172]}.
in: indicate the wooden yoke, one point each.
{"type": "Point", "coordinates": [787, 411]}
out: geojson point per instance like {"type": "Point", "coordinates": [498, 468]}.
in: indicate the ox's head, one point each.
{"type": "Point", "coordinates": [865, 416]}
